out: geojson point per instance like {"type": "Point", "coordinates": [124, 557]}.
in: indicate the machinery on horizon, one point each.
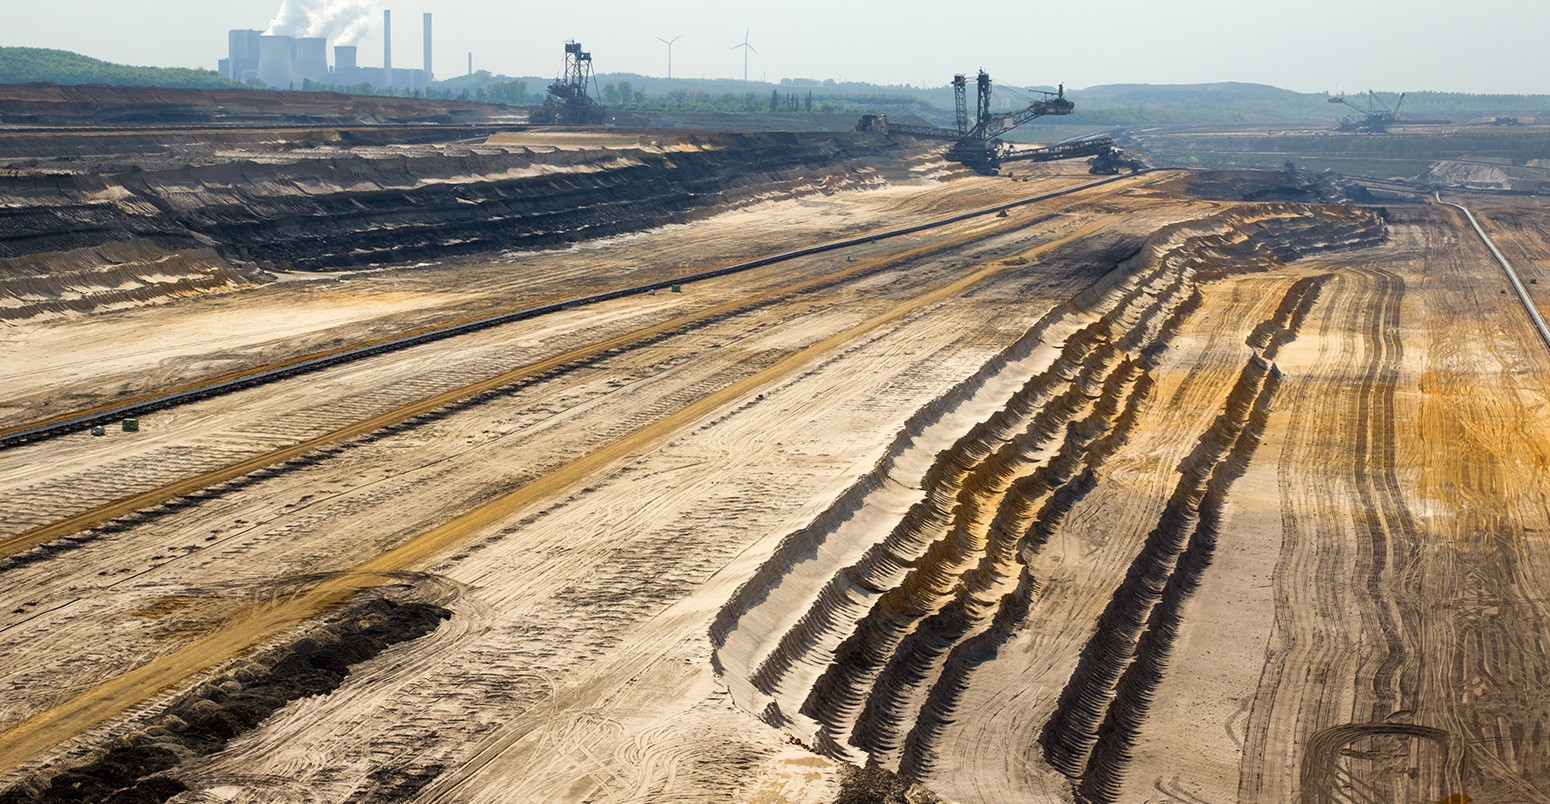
{"type": "Point", "coordinates": [1375, 119]}
{"type": "Point", "coordinates": [570, 101]}
{"type": "Point", "coordinates": [976, 141]}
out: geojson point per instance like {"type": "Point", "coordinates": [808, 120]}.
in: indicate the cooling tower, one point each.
{"type": "Point", "coordinates": [429, 74]}
{"type": "Point", "coordinates": [346, 59]}
{"type": "Point", "coordinates": [311, 59]}
{"type": "Point", "coordinates": [276, 61]}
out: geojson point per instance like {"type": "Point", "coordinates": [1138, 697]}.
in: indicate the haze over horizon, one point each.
{"type": "Point", "coordinates": [1321, 45]}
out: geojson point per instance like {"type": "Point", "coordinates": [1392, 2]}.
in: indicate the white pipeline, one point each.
{"type": "Point", "coordinates": [1512, 275]}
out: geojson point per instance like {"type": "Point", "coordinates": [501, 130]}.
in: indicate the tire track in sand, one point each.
{"type": "Point", "coordinates": [256, 625]}
{"type": "Point", "coordinates": [1101, 709]}
{"type": "Point", "coordinates": [1384, 542]}
{"type": "Point", "coordinates": [872, 669]}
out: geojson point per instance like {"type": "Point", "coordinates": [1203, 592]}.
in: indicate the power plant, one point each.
{"type": "Point", "coordinates": [241, 63]}
{"type": "Point", "coordinates": [282, 61]}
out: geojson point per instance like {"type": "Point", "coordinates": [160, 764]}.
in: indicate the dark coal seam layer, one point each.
{"type": "Point", "coordinates": [142, 768]}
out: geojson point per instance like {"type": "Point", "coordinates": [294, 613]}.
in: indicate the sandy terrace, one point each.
{"type": "Point", "coordinates": [84, 359]}
{"type": "Point", "coordinates": [1123, 478]}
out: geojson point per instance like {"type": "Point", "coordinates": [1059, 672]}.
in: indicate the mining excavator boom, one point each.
{"type": "Point", "coordinates": [570, 100]}
{"type": "Point", "coordinates": [976, 140]}
{"type": "Point", "coordinates": [1376, 117]}
{"type": "Point", "coordinates": [1106, 159]}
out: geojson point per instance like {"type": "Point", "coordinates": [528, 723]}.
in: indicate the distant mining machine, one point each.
{"type": "Point", "coordinates": [1375, 119]}
{"type": "Point", "coordinates": [570, 100]}
{"type": "Point", "coordinates": [976, 140]}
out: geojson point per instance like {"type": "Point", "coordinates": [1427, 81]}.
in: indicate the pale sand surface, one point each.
{"type": "Point", "coordinates": [884, 509]}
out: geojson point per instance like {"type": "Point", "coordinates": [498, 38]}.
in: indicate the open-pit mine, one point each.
{"type": "Point", "coordinates": [447, 460]}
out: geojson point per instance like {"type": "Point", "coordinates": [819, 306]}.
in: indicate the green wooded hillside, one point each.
{"type": "Point", "coordinates": [27, 65]}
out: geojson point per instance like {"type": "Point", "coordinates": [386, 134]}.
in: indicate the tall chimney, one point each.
{"type": "Point", "coordinates": [387, 49]}
{"type": "Point", "coordinates": [429, 74]}
{"type": "Point", "coordinates": [470, 62]}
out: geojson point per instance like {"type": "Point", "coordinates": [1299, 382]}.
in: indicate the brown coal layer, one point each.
{"type": "Point", "coordinates": [101, 105]}
{"type": "Point", "coordinates": [874, 785]}
{"type": "Point", "coordinates": [143, 766]}
{"type": "Point", "coordinates": [354, 210]}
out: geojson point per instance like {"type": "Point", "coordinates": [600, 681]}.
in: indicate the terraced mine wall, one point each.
{"type": "Point", "coordinates": [51, 151]}
{"type": "Point", "coordinates": [861, 635]}
{"type": "Point", "coordinates": [97, 105]}
{"type": "Point", "coordinates": [92, 232]}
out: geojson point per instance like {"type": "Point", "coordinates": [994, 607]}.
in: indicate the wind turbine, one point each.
{"type": "Point", "coordinates": [746, 47]}
{"type": "Point", "coordinates": [669, 43]}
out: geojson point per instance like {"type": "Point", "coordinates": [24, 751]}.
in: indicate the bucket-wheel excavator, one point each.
{"type": "Point", "coordinates": [570, 100]}
{"type": "Point", "coordinates": [1376, 117]}
{"type": "Point", "coordinates": [976, 139]}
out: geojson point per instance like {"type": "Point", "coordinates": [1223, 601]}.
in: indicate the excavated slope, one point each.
{"type": "Point", "coordinates": [97, 105]}
{"type": "Point", "coordinates": [861, 634]}
{"type": "Point", "coordinates": [78, 240]}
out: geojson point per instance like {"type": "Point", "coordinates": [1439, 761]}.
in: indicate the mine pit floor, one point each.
{"type": "Point", "coordinates": [1122, 478]}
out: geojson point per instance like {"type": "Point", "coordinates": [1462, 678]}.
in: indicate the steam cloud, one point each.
{"type": "Point", "coordinates": [344, 22]}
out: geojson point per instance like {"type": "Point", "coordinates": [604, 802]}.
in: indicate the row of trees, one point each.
{"type": "Point", "coordinates": [625, 96]}
{"type": "Point", "coordinates": [622, 95]}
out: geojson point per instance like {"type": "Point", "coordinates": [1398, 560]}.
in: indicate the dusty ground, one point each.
{"type": "Point", "coordinates": [1127, 496]}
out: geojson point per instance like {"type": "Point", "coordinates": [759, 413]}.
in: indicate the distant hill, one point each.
{"type": "Point", "coordinates": [28, 65]}
{"type": "Point", "coordinates": [1231, 102]}
{"type": "Point", "coordinates": [1097, 107]}
{"type": "Point", "coordinates": [1102, 106]}
{"type": "Point", "coordinates": [1227, 92]}
{"type": "Point", "coordinates": [1226, 102]}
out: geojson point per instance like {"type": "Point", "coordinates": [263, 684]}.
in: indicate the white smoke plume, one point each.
{"type": "Point", "coordinates": [342, 22]}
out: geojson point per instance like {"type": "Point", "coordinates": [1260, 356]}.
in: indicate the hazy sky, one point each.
{"type": "Point", "coordinates": [1307, 45]}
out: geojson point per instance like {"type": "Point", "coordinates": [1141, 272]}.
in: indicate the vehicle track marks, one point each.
{"type": "Point", "coordinates": [938, 574]}
{"type": "Point", "coordinates": [255, 625]}
{"type": "Point", "coordinates": [108, 511]}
